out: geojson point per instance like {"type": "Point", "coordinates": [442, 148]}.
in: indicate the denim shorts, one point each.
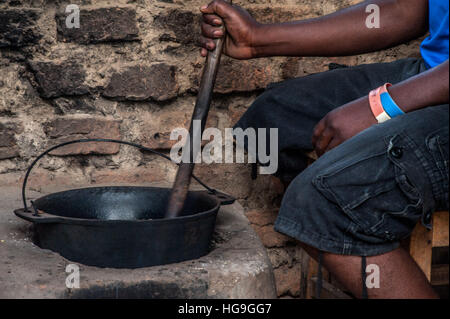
{"type": "Point", "coordinates": [365, 196]}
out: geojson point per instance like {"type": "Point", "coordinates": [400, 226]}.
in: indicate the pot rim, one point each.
{"type": "Point", "coordinates": [47, 218]}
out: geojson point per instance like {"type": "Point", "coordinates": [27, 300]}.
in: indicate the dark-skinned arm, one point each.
{"type": "Point", "coordinates": [341, 33]}
{"type": "Point", "coordinates": [427, 89]}
{"type": "Point", "coordinates": [345, 32]}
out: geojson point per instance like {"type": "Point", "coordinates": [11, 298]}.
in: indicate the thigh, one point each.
{"type": "Point", "coordinates": [296, 106]}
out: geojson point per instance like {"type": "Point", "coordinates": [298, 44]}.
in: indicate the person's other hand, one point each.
{"type": "Point", "coordinates": [241, 29]}
{"type": "Point", "coordinates": [342, 124]}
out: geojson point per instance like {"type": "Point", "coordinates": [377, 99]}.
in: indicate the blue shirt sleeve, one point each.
{"type": "Point", "coordinates": [435, 48]}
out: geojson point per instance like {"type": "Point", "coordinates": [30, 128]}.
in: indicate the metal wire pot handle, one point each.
{"type": "Point", "coordinates": [30, 168]}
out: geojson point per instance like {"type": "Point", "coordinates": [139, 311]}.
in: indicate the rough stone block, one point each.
{"type": "Point", "coordinates": [8, 142]}
{"type": "Point", "coordinates": [184, 26]}
{"type": "Point", "coordinates": [261, 217]}
{"type": "Point", "coordinates": [239, 76]}
{"type": "Point", "coordinates": [139, 175]}
{"type": "Point", "coordinates": [270, 238]}
{"type": "Point", "coordinates": [73, 105]}
{"type": "Point", "coordinates": [18, 27]}
{"type": "Point", "coordinates": [276, 14]}
{"type": "Point", "coordinates": [156, 134]}
{"type": "Point", "coordinates": [110, 24]}
{"type": "Point", "coordinates": [66, 129]}
{"type": "Point", "coordinates": [142, 83]}
{"type": "Point", "coordinates": [279, 257]}
{"type": "Point", "coordinates": [288, 280]}
{"type": "Point", "coordinates": [59, 79]}
{"type": "Point", "coordinates": [242, 76]}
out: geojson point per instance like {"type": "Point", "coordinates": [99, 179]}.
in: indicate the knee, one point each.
{"type": "Point", "coordinates": [305, 204]}
{"type": "Point", "coordinates": [301, 191]}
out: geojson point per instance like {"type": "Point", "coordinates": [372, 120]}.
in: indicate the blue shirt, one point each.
{"type": "Point", "coordinates": [435, 48]}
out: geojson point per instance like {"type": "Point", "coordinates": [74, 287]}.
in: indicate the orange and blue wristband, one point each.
{"type": "Point", "coordinates": [376, 106]}
{"type": "Point", "coordinates": [382, 105]}
{"type": "Point", "coordinates": [389, 105]}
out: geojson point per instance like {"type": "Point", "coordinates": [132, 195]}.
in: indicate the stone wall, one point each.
{"type": "Point", "coordinates": [131, 72]}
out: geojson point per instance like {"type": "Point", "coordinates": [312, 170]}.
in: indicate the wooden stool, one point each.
{"type": "Point", "coordinates": [421, 248]}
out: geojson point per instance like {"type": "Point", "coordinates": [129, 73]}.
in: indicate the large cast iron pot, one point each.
{"type": "Point", "coordinates": [122, 227]}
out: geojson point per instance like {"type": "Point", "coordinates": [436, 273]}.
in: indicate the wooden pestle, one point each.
{"type": "Point", "coordinates": [180, 187]}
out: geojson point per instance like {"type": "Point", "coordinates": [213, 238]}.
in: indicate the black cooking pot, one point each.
{"type": "Point", "coordinates": [122, 227]}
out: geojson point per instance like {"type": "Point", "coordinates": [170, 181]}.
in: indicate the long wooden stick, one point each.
{"type": "Point", "coordinates": [183, 179]}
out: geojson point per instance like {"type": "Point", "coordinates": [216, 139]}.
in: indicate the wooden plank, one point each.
{"type": "Point", "coordinates": [421, 248]}
{"type": "Point", "coordinates": [313, 267]}
{"type": "Point", "coordinates": [440, 229]}
{"type": "Point", "coordinates": [439, 275]}
{"type": "Point", "coordinates": [312, 271]}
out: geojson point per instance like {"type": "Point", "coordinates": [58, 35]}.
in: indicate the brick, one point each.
{"type": "Point", "coordinates": [18, 27]}
{"type": "Point", "coordinates": [288, 280]}
{"type": "Point", "coordinates": [134, 176]}
{"type": "Point", "coordinates": [264, 193]}
{"type": "Point", "coordinates": [73, 105]}
{"type": "Point", "coordinates": [297, 67]}
{"type": "Point", "coordinates": [142, 83]}
{"type": "Point", "coordinates": [8, 142]}
{"type": "Point", "coordinates": [44, 180]}
{"type": "Point", "coordinates": [97, 25]}
{"type": "Point", "coordinates": [156, 134]}
{"type": "Point", "coordinates": [66, 129]}
{"type": "Point", "coordinates": [239, 76]}
{"type": "Point", "coordinates": [184, 26]}
{"type": "Point", "coordinates": [232, 179]}
{"type": "Point", "coordinates": [274, 14]}
{"type": "Point", "coordinates": [242, 76]}
{"type": "Point", "coordinates": [270, 238]}
{"type": "Point", "coordinates": [262, 217]}
{"type": "Point", "coordinates": [59, 79]}
{"type": "Point", "coordinates": [290, 68]}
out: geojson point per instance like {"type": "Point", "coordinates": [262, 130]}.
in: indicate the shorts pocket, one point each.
{"type": "Point", "coordinates": [375, 193]}
{"type": "Point", "coordinates": [438, 146]}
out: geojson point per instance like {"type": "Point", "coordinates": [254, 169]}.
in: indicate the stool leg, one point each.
{"type": "Point", "coordinates": [440, 229]}
{"type": "Point", "coordinates": [313, 268]}
{"type": "Point", "coordinates": [421, 248]}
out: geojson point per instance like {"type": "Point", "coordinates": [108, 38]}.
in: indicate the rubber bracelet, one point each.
{"type": "Point", "coordinates": [377, 107]}
{"type": "Point", "coordinates": [388, 104]}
